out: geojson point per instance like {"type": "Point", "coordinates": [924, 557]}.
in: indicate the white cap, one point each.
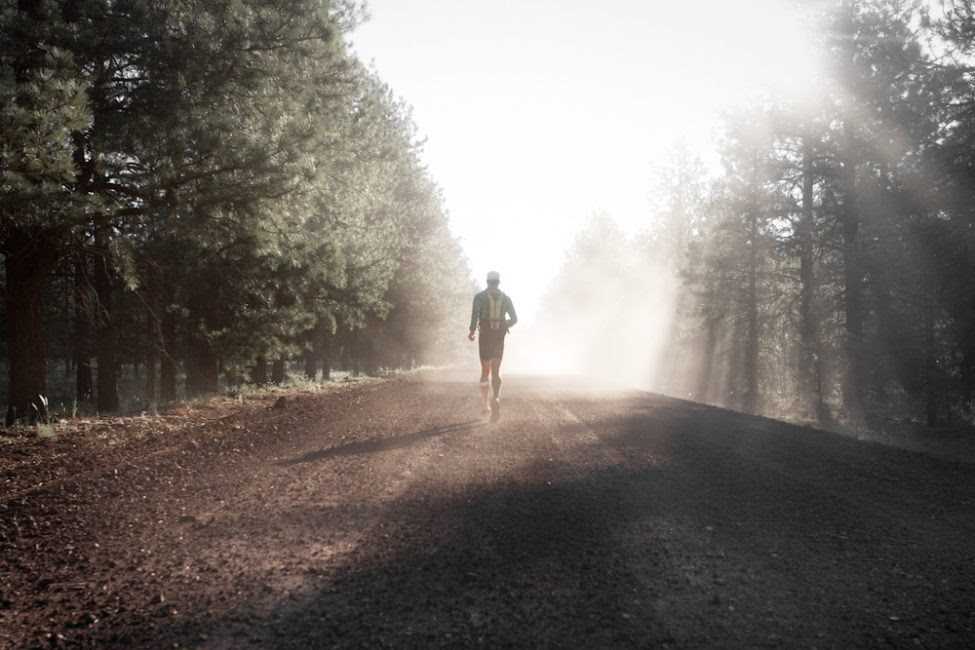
{"type": "Point", "coordinates": [494, 275]}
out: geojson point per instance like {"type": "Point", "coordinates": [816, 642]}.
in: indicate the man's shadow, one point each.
{"type": "Point", "coordinates": [374, 445]}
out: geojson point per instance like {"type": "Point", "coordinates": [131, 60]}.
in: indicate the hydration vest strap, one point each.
{"type": "Point", "coordinates": [495, 310]}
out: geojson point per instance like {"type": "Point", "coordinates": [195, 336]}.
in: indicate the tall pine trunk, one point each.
{"type": "Point", "coordinates": [810, 361]}
{"type": "Point", "coordinates": [850, 226]}
{"type": "Point", "coordinates": [967, 387]}
{"type": "Point", "coordinates": [153, 333]}
{"type": "Point", "coordinates": [259, 371]}
{"type": "Point", "coordinates": [751, 307]}
{"type": "Point", "coordinates": [704, 377]}
{"type": "Point", "coordinates": [311, 365]}
{"type": "Point", "coordinates": [852, 282]}
{"type": "Point", "coordinates": [930, 360]}
{"type": "Point", "coordinates": [369, 337]}
{"type": "Point", "coordinates": [105, 335]}
{"type": "Point", "coordinates": [313, 352]}
{"type": "Point", "coordinates": [167, 364]}
{"type": "Point", "coordinates": [734, 385]}
{"type": "Point", "coordinates": [202, 362]}
{"type": "Point", "coordinates": [30, 255]}
{"type": "Point", "coordinates": [326, 356]}
{"type": "Point", "coordinates": [84, 386]}
{"type": "Point", "coordinates": [877, 257]}
{"type": "Point", "coordinates": [67, 341]}
{"type": "Point", "coordinates": [278, 372]}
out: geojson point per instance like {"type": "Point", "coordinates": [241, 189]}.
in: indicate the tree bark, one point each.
{"type": "Point", "coordinates": [852, 295]}
{"type": "Point", "coordinates": [751, 346]}
{"type": "Point", "coordinates": [106, 343]}
{"type": "Point", "coordinates": [707, 363]}
{"type": "Point", "coordinates": [350, 352]}
{"type": "Point", "coordinates": [313, 352]}
{"type": "Point", "coordinates": [67, 304]}
{"type": "Point", "coordinates": [930, 361]}
{"type": "Point", "coordinates": [277, 372]}
{"type": "Point", "coordinates": [326, 356]}
{"type": "Point", "coordinates": [368, 339]}
{"type": "Point", "coordinates": [167, 365]}
{"type": "Point", "coordinates": [311, 365]}
{"type": "Point", "coordinates": [967, 383]}
{"type": "Point", "coordinates": [30, 255]}
{"type": "Point", "coordinates": [850, 228]}
{"type": "Point", "coordinates": [153, 333]}
{"type": "Point", "coordinates": [734, 384]}
{"type": "Point", "coordinates": [810, 361]}
{"type": "Point", "coordinates": [84, 386]}
{"type": "Point", "coordinates": [202, 367]}
{"type": "Point", "coordinates": [259, 371]}
{"type": "Point", "coordinates": [202, 362]}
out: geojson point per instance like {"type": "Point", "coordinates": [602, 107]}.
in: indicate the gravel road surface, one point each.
{"type": "Point", "coordinates": [390, 514]}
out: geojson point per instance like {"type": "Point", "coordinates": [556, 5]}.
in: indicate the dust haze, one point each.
{"type": "Point", "coordinates": [609, 314]}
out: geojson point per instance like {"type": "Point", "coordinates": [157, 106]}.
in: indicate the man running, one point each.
{"type": "Point", "coordinates": [490, 307]}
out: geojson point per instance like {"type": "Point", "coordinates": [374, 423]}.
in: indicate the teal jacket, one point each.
{"type": "Point", "coordinates": [480, 313]}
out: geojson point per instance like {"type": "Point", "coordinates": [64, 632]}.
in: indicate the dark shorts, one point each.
{"type": "Point", "coordinates": [490, 343]}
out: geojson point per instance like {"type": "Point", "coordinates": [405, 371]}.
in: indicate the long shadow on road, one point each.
{"type": "Point", "coordinates": [376, 445]}
{"type": "Point", "coordinates": [536, 564]}
{"type": "Point", "coordinates": [710, 530]}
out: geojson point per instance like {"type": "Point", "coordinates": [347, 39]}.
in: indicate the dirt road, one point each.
{"type": "Point", "coordinates": [389, 514]}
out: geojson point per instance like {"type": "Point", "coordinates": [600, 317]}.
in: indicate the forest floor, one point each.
{"type": "Point", "coordinates": [389, 513]}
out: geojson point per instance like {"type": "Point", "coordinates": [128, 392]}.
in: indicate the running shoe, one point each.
{"type": "Point", "coordinates": [495, 410]}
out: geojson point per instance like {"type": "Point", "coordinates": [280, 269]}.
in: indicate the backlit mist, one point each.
{"type": "Point", "coordinates": [805, 134]}
{"type": "Point", "coordinates": [540, 114]}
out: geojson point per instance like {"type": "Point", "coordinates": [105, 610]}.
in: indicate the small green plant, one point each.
{"type": "Point", "coordinates": [45, 431]}
{"type": "Point", "coordinates": [74, 408]}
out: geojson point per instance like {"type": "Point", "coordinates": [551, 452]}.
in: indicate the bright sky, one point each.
{"type": "Point", "coordinates": [538, 113]}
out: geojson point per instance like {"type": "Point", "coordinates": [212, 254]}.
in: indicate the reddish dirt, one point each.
{"type": "Point", "coordinates": [388, 513]}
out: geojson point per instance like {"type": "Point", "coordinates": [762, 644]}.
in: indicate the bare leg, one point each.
{"type": "Point", "coordinates": [496, 377]}
{"type": "Point", "coordinates": [485, 370]}
{"type": "Point", "coordinates": [496, 381]}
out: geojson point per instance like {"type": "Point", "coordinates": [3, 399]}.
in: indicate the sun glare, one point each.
{"type": "Point", "coordinates": [539, 114]}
